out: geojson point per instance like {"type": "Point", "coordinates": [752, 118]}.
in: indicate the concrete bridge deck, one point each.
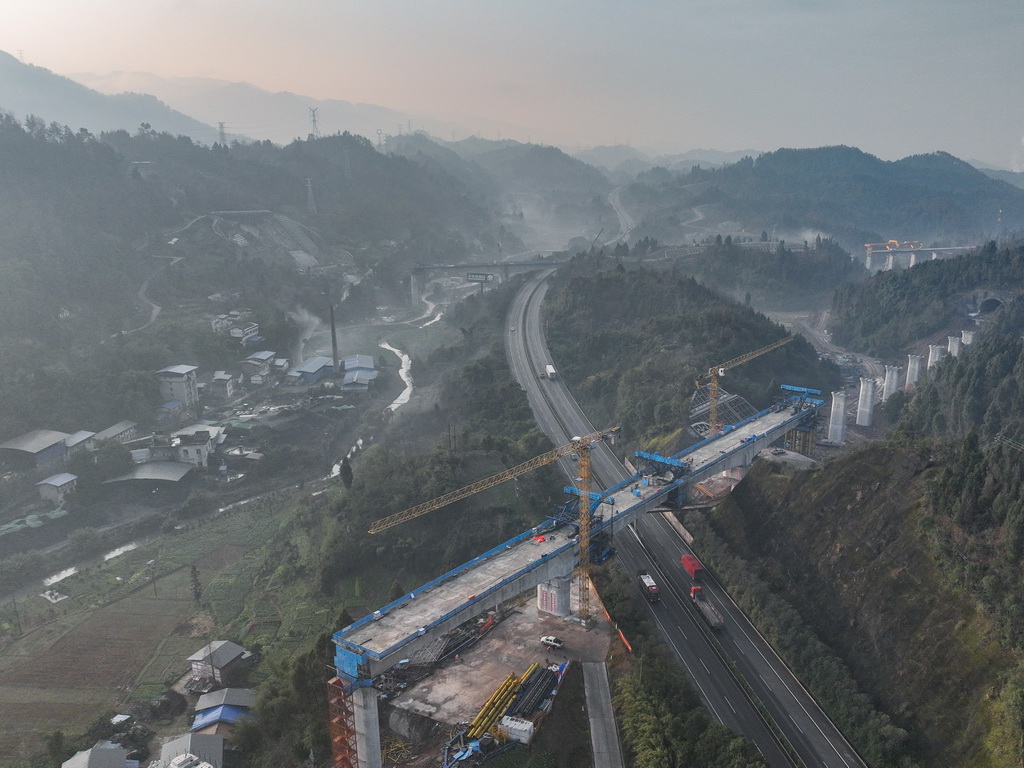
{"type": "Point", "coordinates": [545, 553]}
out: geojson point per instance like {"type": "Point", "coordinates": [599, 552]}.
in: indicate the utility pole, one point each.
{"type": "Point", "coordinates": [313, 111]}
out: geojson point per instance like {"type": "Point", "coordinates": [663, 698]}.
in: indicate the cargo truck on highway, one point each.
{"type": "Point", "coordinates": [692, 566]}
{"type": "Point", "coordinates": [549, 371]}
{"type": "Point", "coordinates": [648, 586]}
{"type": "Point", "coordinates": [706, 609]}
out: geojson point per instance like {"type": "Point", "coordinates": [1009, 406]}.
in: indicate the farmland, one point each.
{"type": "Point", "coordinates": [129, 623]}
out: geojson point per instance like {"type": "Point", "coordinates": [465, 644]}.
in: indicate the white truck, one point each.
{"type": "Point", "coordinates": [549, 371]}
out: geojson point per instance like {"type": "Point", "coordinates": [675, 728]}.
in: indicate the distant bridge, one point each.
{"type": "Point", "coordinates": [487, 271]}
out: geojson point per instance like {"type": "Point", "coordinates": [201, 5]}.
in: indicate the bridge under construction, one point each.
{"type": "Point", "coordinates": [543, 557]}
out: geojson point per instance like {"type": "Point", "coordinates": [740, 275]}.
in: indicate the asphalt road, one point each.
{"type": "Point", "coordinates": [655, 545]}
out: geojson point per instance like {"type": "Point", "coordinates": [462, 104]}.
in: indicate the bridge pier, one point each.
{"type": "Point", "coordinates": [367, 722]}
{"type": "Point", "coordinates": [414, 289]}
{"type": "Point", "coordinates": [553, 596]}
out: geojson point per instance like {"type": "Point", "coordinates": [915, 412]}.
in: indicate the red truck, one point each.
{"type": "Point", "coordinates": [648, 586]}
{"type": "Point", "coordinates": [692, 566]}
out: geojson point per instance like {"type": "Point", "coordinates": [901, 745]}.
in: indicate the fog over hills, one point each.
{"type": "Point", "coordinates": [280, 117]}
{"type": "Point", "coordinates": [30, 90]}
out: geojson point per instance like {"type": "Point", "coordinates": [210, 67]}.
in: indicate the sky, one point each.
{"type": "Point", "coordinates": [893, 78]}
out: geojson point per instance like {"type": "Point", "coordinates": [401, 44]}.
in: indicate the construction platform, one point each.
{"type": "Point", "coordinates": [455, 691]}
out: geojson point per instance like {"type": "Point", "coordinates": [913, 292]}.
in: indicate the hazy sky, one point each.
{"type": "Point", "coordinates": [893, 78]}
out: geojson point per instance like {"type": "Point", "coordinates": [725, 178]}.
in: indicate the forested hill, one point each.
{"type": "Point", "coordinates": [83, 218]}
{"type": "Point", "coordinates": [633, 341]}
{"type": "Point", "coordinates": [981, 391]}
{"type": "Point", "coordinates": [842, 191]}
{"type": "Point", "coordinates": [891, 310]}
{"type": "Point", "coordinates": [906, 557]}
{"type": "Point", "coordinates": [76, 210]}
{"type": "Point", "coordinates": [773, 277]}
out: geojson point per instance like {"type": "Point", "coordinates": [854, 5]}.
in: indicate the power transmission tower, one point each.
{"type": "Point", "coordinates": [310, 200]}
{"type": "Point", "coordinates": [223, 136]}
{"type": "Point", "coordinates": [313, 121]}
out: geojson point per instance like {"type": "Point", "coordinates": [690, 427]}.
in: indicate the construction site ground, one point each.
{"type": "Point", "coordinates": [455, 692]}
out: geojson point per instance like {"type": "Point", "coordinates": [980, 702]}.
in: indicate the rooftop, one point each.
{"type": "Point", "coordinates": [171, 471]}
{"type": "Point", "coordinates": [78, 437]}
{"type": "Point", "coordinates": [359, 361]}
{"type": "Point", "coordinates": [58, 480]}
{"type": "Point", "coordinates": [225, 713]}
{"type": "Point", "coordinates": [179, 370]}
{"type": "Point", "coordinates": [209, 747]}
{"type": "Point", "coordinates": [235, 697]}
{"type": "Point", "coordinates": [35, 441]}
{"type": "Point", "coordinates": [98, 757]}
{"type": "Point", "coordinates": [117, 429]}
{"type": "Point", "coordinates": [191, 430]}
{"type": "Point", "coordinates": [218, 653]}
{"type": "Point", "coordinates": [264, 355]}
{"type": "Point", "coordinates": [312, 364]}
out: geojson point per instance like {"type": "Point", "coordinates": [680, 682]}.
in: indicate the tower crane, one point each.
{"type": "Point", "coordinates": [580, 446]}
{"type": "Point", "coordinates": [715, 371]}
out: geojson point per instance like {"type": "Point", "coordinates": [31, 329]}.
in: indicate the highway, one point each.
{"type": "Point", "coordinates": [654, 544]}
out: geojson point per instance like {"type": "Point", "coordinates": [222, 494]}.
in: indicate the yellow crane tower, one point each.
{"type": "Point", "coordinates": [715, 371]}
{"type": "Point", "coordinates": [580, 446]}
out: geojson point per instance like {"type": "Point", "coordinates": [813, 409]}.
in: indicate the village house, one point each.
{"type": "Point", "coordinates": [57, 488]}
{"type": "Point", "coordinates": [220, 662]}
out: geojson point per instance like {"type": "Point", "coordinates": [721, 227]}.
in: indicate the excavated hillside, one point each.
{"type": "Point", "coordinates": [849, 546]}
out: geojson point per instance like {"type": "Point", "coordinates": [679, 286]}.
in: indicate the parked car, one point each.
{"type": "Point", "coordinates": [550, 642]}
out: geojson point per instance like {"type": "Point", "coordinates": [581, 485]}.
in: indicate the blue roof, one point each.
{"type": "Point", "coordinates": [225, 713]}
{"type": "Point", "coordinates": [172, 405]}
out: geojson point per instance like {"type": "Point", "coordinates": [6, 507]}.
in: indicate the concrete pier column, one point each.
{"type": "Point", "coordinates": [553, 596]}
{"type": "Point", "coordinates": [367, 722]}
{"type": "Point", "coordinates": [967, 338]}
{"type": "Point", "coordinates": [837, 423]}
{"type": "Point", "coordinates": [913, 370]}
{"type": "Point", "coordinates": [869, 262]}
{"type": "Point", "coordinates": [953, 346]}
{"type": "Point", "coordinates": [935, 354]}
{"type": "Point", "coordinates": [913, 258]}
{"type": "Point", "coordinates": [414, 289]}
{"type": "Point", "coordinates": [892, 381]}
{"type": "Point", "coordinates": [866, 403]}
{"type": "Point", "coordinates": [890, 261]}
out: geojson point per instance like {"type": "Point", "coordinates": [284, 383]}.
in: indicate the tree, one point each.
{"type": "Point", "coordinates": [345, 472]}
{"type": "Point", "coordinates": [197, 588]}
{"type": "Point", "coordinates": [57, 748]}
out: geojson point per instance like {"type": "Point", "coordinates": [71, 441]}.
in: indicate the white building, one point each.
{"type": "Point", "coordinates": [178, 382]}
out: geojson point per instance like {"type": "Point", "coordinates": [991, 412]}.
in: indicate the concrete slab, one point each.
{"type": "Point", "coordinates": [455, 693]}
{"type": "Point", "coordinates": [439, 599]}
